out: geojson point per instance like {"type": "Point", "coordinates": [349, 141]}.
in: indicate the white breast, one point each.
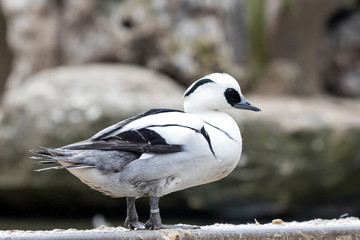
{"type": "Point", "coordinates": [226, 140]}
{"type": "Point", "coordinates": [202, 166]}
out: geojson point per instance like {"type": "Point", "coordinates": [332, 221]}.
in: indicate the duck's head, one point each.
{"type": "Point", "coordinates": [215, 91]}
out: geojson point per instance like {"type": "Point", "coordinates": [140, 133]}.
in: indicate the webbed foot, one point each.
{"type": "Point", "coordinates": [154, 223]}
{"type": "Point", "coordinates": [134, 224]}
{"type": "Point", "coordinates": [154, 226]}
{"type": "Point", "coordinates": [132, 221]}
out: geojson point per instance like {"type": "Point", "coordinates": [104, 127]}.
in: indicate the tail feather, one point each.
{"type": "Point", "coordinates": [53, 156]}
{"type": "Point", "coordinates": [48, 168]}
{"type": "Point", "coordinates": [43, 161]}
{"type": "Point", "coordinates": [75, 166]}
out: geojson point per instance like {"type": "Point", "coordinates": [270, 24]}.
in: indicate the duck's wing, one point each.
{"type": "Point", "coordinates": [142, 133]}
{"type": "Point", "coordinates": [112, 130]}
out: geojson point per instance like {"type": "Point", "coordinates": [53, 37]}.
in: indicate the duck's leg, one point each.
{"type": "Point", "coordinates": [155, 220]}
{"type": "Point", "coordinates": [132, 221]}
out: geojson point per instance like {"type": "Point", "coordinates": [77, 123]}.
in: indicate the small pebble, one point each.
{"type": "Point", "coordinates": [277, 221]}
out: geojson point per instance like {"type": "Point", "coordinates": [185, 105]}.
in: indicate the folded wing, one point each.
{"type": "Point", "coordinates": [136, 134]}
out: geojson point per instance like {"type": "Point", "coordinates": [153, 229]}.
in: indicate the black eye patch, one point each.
{"type": "Point", "coordinates": [232, 96]}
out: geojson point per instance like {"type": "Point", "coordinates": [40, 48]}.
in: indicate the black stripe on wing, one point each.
{"type": "Point", "coordinates": [141, 140]}
{"type": "Point", "coordinates": [202, 131]}
{"type": "Point", "coordinates": [142, 135]}
{"type": "Point", "coordinates": [108, 132]}
{"type": "Point", "coordinates": [124, 146]}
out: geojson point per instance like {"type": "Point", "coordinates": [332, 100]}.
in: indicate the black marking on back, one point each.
{"type": "Point", "coordinates": [123, 123]}
{"type": "Point", "coordinates": [206, 136]}
{"type": "Point", "coordinates": [114, 128]}
{"type": "Point", "coordinates": [232, 96]}
{"type": "Point", "coordinates": [142, 135]}
{"type": "Point", "coordinates": [160, 110]}
{"type": "Point", "coordinates": [196, 85]}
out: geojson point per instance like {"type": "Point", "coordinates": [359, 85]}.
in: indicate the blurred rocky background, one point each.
{"type": "Point", "coordinates": [70, 68]}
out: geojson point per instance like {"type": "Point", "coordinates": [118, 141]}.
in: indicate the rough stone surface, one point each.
{"type": "Point", "coordinates": [340, 64]}
{"type": "Point", "coordinates": [184, 39]}
{"type": "Point", "coordinates": [31, 35]}
{"type": "Point", "coordinates": [5, 56]}
{"type": "Point", "coordinates": [60, 105]}
{"type": "Point", "coordinates": [297, 35]}
{"type": "Point", "coordinates": [339, 229]}
{"type": "Point", "coordinates": [282, 77]}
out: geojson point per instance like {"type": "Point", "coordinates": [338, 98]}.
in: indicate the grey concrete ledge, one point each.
{"type": "Point", "coordinates": [347, 228]}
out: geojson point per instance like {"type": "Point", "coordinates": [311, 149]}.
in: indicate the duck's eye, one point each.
{"type": "Point", "coordinates": [232, 96]}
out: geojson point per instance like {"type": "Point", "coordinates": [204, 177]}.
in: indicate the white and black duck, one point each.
{"type": "Point", "coordinates": [160, 151]}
